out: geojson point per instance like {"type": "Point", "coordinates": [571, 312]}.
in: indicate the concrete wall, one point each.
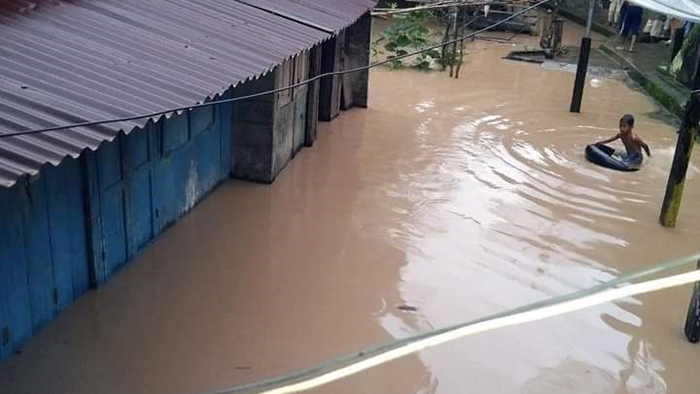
{"type": "Point", "coordinates": [290, 112]}
{"type": "Point", "coordinates": [313, 96]}
{"type": "Point", "coordinates": [269, 130]}
{"type": "Point", "coordinates": [252, 124]}
{"type": "Point", "coordinates": [358, 38]}
{"type": "Point", "coordinates": [331, 61]}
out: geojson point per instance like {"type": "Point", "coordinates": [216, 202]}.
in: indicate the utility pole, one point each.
{"type": "Point", "coordinates": [681, 159]}
{"type": "Point", "coordinates": [684, 148]}
{"type": "Point", "coordinates": [583, 56]}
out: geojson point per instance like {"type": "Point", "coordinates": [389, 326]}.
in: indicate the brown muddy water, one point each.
{"type": "Point", "coordinates": [456, 198]}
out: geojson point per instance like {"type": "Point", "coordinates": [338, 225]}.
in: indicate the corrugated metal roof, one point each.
{"type": "Point", "coordinates": [80, 60]}
{"type": "Point", "coordinates": [329, 15]}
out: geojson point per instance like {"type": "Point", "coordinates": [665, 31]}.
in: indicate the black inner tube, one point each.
{"type": "Point", "coordinates": [602, 155]}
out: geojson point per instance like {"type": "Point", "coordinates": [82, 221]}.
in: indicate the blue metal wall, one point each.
{"type": "Point", "coordinates": [78, 223]}
{"type": "Point", "coordinates": [43, 251]}
{"type": "Point", "coordinates": [142, 182]}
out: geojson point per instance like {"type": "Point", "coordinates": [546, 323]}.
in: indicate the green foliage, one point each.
{"type": "Point", "coordinates": [683, 65]}
{"type": "Point", "coordinates": [410, 33]}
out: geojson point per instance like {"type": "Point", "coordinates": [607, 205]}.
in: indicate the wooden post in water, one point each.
{"type": "Point", "coordinates": [692, 324]}
{"type": "Point", "coordinates": [454, 13]}
{"type": "Point", "coordinates": [582, 68]}
{"type": "Point", "coordinates": [684, 148]}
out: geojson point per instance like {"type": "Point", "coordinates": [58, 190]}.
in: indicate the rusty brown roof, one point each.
{"type": "Point", "coordinates": [71, 61]}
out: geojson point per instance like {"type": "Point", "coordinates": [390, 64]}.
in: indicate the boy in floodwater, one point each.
{"type": "Point", "coordinates": [633, 144]}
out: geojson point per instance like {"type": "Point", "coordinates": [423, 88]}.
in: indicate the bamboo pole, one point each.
{"type": "Point", "coordinates": [453, 48]}
{"type": "Point", "coordinates": [684, 148]}
{"type": "Point", "coordinates": [462, 17]}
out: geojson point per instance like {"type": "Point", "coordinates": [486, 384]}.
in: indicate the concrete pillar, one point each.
{"type": "Point", "coordinates": [357, 54]}
{"type": "Point", "coordinates": [312, 100]}
{"type": "Point", "coordinates": [268, 130]}
{"type": "Point", "coordinates": [251, 136]}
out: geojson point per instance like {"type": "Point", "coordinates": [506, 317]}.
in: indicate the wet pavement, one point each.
{"type": "Point", "coordinates": [456, 198]}
{"type": "Point", "coordinates": [647, 57]}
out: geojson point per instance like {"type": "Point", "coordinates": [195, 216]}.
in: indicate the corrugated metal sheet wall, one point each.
{"type": "Point", "coordinates": [74, 225]}
{"type": "Point", "coordinates": [78, 223]}
{"type": "Point", "coordinates": [126, 193]}
{"type": "Point", "coordinates": [145, 180]}
{"type": "Point", "coordinates": [43, 251]}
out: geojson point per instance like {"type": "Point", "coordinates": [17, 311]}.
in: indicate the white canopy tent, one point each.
{"type": "Point", "coordinates": [686, 9]}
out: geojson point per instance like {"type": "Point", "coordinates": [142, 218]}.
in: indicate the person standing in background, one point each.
{"type": "Point", "coordinates": [631, 21]}
{"type": "Point", "coordinates": [673, 24]}
{"type": "Point", "coordinates": [658, 27]}
{"type": "Point", "coordinates": [654, 29]}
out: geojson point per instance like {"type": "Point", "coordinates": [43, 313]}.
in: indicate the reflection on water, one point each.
{"type": "Point", "coordinates": [506, 210]}
{"type": "Point", "coordinates": [451, 199]}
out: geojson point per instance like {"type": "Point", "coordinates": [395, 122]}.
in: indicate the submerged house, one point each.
{"type": "Point", "coordinates": [78, 204]}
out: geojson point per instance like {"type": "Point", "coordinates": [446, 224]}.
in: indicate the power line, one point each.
{"type": "Point", "coordinates": [273, 91]}
{"type": "Point", "coordinates": [444, 4]}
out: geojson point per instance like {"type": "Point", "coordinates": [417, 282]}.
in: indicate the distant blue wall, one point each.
{"type": "Point", "coordinates": [78, 223]}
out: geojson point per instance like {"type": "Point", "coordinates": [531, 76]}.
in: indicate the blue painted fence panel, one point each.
{"type": "Point", "coordinates": [38, 250]}
{"type": "Point", "coordinates": [4, 291]}
{"type": "Point", "coordinates": [140, 200]}
{"type": "Point", "coordinates": [113, 229]}
{"type": "Point", "coordinates": [137, 158]}
{"type": "Point", "coordinates": [206, 148]}
{"type": "Point", "coordinates": [60, 229]}
{"type": "Point", "coordinates": [66, 208]}
{"type": "Point", "coordinates": [4, 309]}
{"type": "Point", "coordinates": [43, 251]}
{"type": "Point", "coordinates": [13, 269]}
{"type": "Point", "coordinates": [77, 233]}
{"type": "Point", "coordinates": [149, 178]}
{"type": "Point", "coordinates": [79, 222]}
{"type": "Point", "coordinates": [17, 323]}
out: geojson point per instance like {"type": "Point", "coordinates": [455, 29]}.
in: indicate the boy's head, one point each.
{"type": "Point", "coordinates": [626, 123]}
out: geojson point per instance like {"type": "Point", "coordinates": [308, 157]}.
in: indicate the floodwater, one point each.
{"type": "Point", "coordinates": [454, 198]}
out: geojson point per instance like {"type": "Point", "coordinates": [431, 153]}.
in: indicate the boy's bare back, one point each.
{"type": "Point", "coordinates": [633, 143]}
